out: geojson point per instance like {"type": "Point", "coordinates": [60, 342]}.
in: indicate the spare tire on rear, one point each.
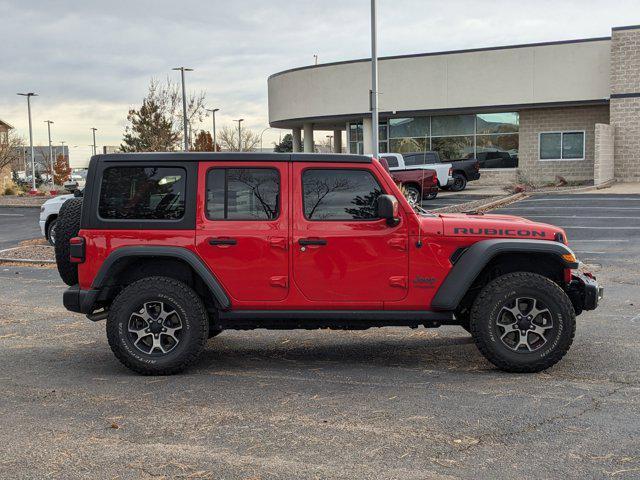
{"type": "Point", "coordinates": [67, 227]}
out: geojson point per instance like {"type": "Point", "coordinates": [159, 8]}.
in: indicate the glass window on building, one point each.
{"type": "Point", "coordinates": [408, 145]}
{"type": "Point", "coordinates": [453, 148]}
{"type": "Point", "coordinates": [448, 125]}
{"type": "Point", "coordinates": [356, 137]}
{"type": "Point", "coordinates": [562, 146]}
{"type": "Point", "coordinates": [409, 127]}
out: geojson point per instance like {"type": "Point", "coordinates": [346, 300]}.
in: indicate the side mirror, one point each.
{"type": "Point", "coordinates": [388, 209]}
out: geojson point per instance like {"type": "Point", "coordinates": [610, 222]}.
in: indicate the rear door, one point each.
{"type": "Point", "coordinates": [242, 231]}
{"type": "Point", "coordinates": [341, 251]}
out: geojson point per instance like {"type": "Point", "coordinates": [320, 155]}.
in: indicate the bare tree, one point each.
{"type": "Point", "coordinates": [11, 150]}
{"type": "Point", "coordinates": [158, 124]}
{"type": "Point", "coordinates": [229, 139]}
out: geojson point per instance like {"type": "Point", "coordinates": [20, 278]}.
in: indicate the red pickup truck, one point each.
{"type": "Point", "coordinates": [416, 185]}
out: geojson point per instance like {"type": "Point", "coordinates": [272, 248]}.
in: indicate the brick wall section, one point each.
{"type": "Point", "coordinates": [625, 112]}
{"type": "Point", "coordinates": [534, 121]}
{"type": "Point", "coordinates": [603, 168]}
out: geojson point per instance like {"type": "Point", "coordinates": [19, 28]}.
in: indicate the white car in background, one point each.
{"type": "Point", "coordinates": [49, 216]}
{"type": "Point", "coordinates": [444, 171]}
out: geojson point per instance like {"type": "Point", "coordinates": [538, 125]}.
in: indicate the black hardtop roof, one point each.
{"type": "Point", "coordinates": [231, 157]}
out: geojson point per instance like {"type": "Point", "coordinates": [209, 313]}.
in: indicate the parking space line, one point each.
{"type": "Point", "coordinates": [11, 215]}
{"type": "Point", "coordinates": [607, 228]}
{"type": "Point", "coordinates": [597, 199]}
{"type": "Point", "coordinates": [564, 207]}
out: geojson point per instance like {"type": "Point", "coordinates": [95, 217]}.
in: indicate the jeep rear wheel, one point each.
{"type": "Point", "coordinates": [523, 322]}
{"type": "Point", "coordinates": [67, 227]}
{"type": "Point", "coordinates": [157, 326]}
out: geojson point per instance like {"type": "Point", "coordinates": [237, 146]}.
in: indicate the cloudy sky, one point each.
{"type": "Point", "coordinates": [90, 61]}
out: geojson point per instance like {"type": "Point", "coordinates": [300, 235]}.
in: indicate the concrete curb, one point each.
{"type": "Point", "coordinates": [484, 206]}
{"type": "Point", "coordinates": [501, 201]}
{"type": "Point", "coordinates": [26, 260]}
{"type": "Point", "coordinates": [20, 206]}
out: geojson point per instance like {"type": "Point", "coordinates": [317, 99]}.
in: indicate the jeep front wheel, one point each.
{"type": "Point", "coordinates": [157, 326]}
{"type": "Point", "coordinates": [523, 322]}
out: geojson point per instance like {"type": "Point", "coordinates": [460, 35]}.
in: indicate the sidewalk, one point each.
{"type": "Point", "coordinates": [616, 189]}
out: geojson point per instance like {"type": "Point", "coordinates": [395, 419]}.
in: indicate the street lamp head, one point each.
{"type": "Point", "coordinates": [183, 68]}
{"type": "Point", "coordinates": [30, 94]}
{"type": "Point", "coordinates": [239, 120]}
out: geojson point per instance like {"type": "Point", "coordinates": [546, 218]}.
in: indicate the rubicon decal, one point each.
{"type": "Point", "coordinates": [509, 232]}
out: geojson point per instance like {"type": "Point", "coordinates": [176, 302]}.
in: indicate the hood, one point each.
{"type": "Point", "coordinates": [59, 199]}
{"type": "Point", "coordinates": [498, 226]}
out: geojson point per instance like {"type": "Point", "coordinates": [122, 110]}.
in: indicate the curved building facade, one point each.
{"type": "Point", "coordinates": [569, 108]}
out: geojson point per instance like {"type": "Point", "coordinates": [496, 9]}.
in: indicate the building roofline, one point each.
{"type": "Point", "coordinates": [11, 127]}
{"type": "Point", "coordinates": [453, 52]}
{"type": "Point", "coordinates": [626, 27]}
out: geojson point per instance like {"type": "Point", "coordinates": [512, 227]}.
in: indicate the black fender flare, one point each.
{"type": "Point", "coordinates": [179, 253]}
{"type": "Point", "coordinates": [469, 265]}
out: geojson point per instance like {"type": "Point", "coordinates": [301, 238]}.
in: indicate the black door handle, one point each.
{"type": "Point", "coordinates": [312, 241]}
{"type": "Point", "coordinates": [222, 241]}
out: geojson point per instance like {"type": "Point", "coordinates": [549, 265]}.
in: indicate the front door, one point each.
{"type": "Point", "coordinates": [341, 251]}
{"type": "Point", "coordinates": [242, 227]}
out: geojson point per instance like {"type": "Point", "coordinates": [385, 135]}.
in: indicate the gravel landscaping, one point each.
{"type": "Point", "coordinates": [39, 253]}
{"type": "Point", "coordinates": [23, 201]}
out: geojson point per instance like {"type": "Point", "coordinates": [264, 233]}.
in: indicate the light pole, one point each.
{"type": "Point", "coordinates": [33, 158]}
{"type": "Point", "coordinates": [93, 129]}
{"type": "Point", "coordinates": [261, 134]}
{"type": "Point", "coordinates": [330, 137]}
{"type": "Point", "coordinates": [315, 58]}
{"type": "Point", "coordinates": [49, 122]}
{"type": "Point", "coordinates": [184, 106]}
{"type": "Point", "coordinates": [239, 133]}
{"type": "Point", "coordinates": [213, 117]}
{"type": "Point", "coordinates": [62, 142]}
{"type": "Point", "coordinates": [374, 78]}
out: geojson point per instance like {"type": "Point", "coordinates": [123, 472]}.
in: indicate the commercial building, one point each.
{"type": "Point", "coordinates": [567, 108]}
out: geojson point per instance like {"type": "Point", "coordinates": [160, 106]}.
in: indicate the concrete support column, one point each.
{"type": "Point", "coordinates": [337, 141]}
{"type": "Point", "coordinates": [308, 137]}
{"type": "Point", "coordinates": [367, 134]}
{"type": "Point", "coordinates": [296, 133]}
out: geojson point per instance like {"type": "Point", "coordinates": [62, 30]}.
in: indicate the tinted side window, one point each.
{"type": "Point", "coordinates": [142, 193]}
{"type": "Point", "coordinates": [391, 161]}
{"type": "Point", "coordinates": [340, 195]}
{"type": "Point", "coordinates": [243, 194]}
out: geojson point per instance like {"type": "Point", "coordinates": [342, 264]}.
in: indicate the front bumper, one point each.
{"type": "Point", "coordinates": [81, 301]}
{"type": "Point", "coordinates": [584, 292]}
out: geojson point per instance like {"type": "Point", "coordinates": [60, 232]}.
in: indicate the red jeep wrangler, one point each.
{"type": "Point", "coordinates": [173, 248]}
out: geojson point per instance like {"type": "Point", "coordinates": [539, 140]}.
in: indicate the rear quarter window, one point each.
{"type": "Point", "coordinates": [142, 193]}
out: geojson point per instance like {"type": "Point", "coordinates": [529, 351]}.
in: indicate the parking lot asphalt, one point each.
{"type": "Point", "coordinates": [18, 224]}
{"type": "Point", "coordinates": [445, 199]}
{"type": "Point", "coordinates": [387, 403]}
{"type": "Point", "coordinates": [602, 229]}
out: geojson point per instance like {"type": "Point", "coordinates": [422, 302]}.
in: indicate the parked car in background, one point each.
{"type": "Point", "coordinates": [417, 184]}
{"type": "Point", "coordinates": [497, 159]}
{"type": "Point", "coordinates": [49, 216]}
{"type": "Point", "coordinates": [426, 160]}
{"type": "Point", "coordinates": [463, 171]}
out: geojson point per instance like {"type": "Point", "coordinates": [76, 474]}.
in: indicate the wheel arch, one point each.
{"type": "Point", "coordinates": [129, 264]}
{"type": "Point", "coordinates": [484, 260]}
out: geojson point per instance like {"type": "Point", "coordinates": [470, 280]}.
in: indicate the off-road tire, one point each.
{"type": "Point", "coordinates": [186, 303]}
{"type": "Point", "coordinates": [51, 234]}
{"type": "Point", "coordinates": [459, 182]}
{"type": "Point", "coordinates": [67, 227]}
{"type": "Point", "coordinates": [488, 305]}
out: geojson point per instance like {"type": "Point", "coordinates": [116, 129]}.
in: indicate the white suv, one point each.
{"type": "Point", "coordinates": [444, 171]}
{"type": "Point", "coordinates": [49, 216]}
